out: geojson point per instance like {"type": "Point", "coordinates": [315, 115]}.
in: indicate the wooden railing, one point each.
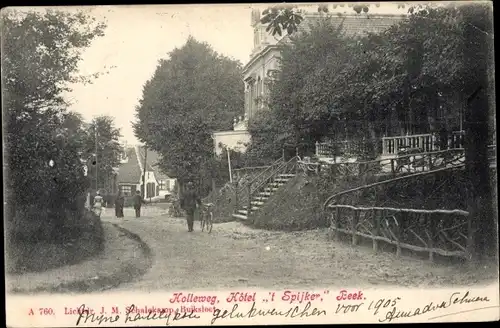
{"type": "Point", "coordinates": [403, 164]}
{"type": "Point", "coordinates": [443, 232]}
{"type": "Point", "coordinates": [243, 195]}
{"type": "Point", "coordinates": [251, 188]}
{"type": "Point", "coordinates": [424, 142]}
{"type": "Point", "coordinates": [391, 145]}
{"type": "Point", "coordinates": [340, 148]}
{"type": "Point", "coordinates": [436, 231]}
{"type": "Point", "coordinates": [248, 172]}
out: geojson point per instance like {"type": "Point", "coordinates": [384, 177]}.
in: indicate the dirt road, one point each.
{"type": "Point", "coordinates": [236, 256]}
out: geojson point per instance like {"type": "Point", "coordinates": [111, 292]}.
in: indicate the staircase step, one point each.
{"type": "Point", "coordinates": [244, 211]}
{"type": "Point", "coordinates": [286, 175]}
{"type": "Point", "coordinates": [261, 199]}
{"type": "Point", "coordinates": [271, 190]}
{"type": "Point", "coordinates": [284, 180]}
{"type": "Point", "coordinates": [264, 193]}
{"type": "Point", "coordinates": [240, 217]}
{"type": "Point", "coordinates": [257, 203]}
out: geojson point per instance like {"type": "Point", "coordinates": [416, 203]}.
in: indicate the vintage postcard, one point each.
{"type": "Point", "coordinates": [239, 164]}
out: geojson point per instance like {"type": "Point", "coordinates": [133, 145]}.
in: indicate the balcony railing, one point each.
{"type": "Point", "coordinates": [392, 146]}
{"type": "Point", "coordinates": [424, 142]}
{"type": "Point", "coordinates": [339, 148]}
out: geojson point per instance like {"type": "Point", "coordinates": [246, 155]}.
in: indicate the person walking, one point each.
{"type": "Point", "coordinates": [98, 200]}
{"type": "Point", "coordinates": [138, 201]}
{"type": "Point", "coordinates": [189, 201]}
{"type": "Point", "coordinates": [119, 203]}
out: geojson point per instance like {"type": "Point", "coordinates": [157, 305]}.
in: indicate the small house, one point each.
{"type": "Point", "coordinates": [130, 174]}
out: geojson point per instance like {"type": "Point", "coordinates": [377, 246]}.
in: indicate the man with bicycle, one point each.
{"type": "Point", "coordinates": [189, 201]}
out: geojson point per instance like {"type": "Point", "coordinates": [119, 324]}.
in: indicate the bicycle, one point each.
{"type": "Point", "coordinates": [207, 216]}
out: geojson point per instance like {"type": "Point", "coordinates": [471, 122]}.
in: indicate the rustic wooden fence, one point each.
{"type": "Point", "coordinates": [436, 231]}
{"type": "Point", "coordinates": [443, 232]}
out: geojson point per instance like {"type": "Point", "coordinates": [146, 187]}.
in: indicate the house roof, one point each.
{"type": "Point", "coordinates": [353, 25]}
{"type": "Point", "coordinates": [131, 171]}
{"type": "Point", "coordinates": [153, 159]}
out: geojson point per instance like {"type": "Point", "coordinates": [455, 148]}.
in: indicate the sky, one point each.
{"type": "Point", "coordinates": [137, 37]}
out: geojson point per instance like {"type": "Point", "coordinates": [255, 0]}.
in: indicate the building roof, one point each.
{"type": "Point", "coordinates": [153, 159]}
{"type": "Point", "coordinates": [353, 25]}
{"type": "Point", "coordinates": [131, 171]}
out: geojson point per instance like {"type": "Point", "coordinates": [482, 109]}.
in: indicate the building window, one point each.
{"type": "Point", "coordinates": [126, 190]}
{"type": "Point", "coordinates": [256, 37]}
{"type": "Point", "coordinates": [161, 184]}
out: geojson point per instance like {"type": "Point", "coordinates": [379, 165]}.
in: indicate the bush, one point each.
{"type": "Point", "coordinates": [299, 204]}
{"type": "Point", "coordinates": [296, 206]}
{"type": "Point", "coordinates": [36, 243]}
{"type": "Point", "coordinates": [224, 200]}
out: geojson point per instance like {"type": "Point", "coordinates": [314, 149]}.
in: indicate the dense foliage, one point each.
{"type": "Point", "coordinates": [429, 72]}
{"type": "Point", "coordinates": [43, 141]}
{"type": "Point", "coordinates": [193, 93]}
{"type": "Point", "coordinates": [106, 143]}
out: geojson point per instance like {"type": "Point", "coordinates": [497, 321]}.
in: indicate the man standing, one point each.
{"type": "Point", "coordinates": [138, 201]}
{"type": "Point", "coordinates": [119, 203]}
{"type": "Point", "coordinates": [189, 201]}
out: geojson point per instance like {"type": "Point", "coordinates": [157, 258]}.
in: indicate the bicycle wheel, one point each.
{"type": "Point", "coordinates": [210, 223]}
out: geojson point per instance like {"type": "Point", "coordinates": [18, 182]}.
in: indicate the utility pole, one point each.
{"type": "Point", "coordinates": [145, 169]}
{"type": "Point", "coordinates": [96, 166]}
{"type": "Point", "coordinates": [229, 165]}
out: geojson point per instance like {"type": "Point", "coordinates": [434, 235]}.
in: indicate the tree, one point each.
{"type": "Point", "coordinates": [193, 93]}
{"type": "Point", "coordinates": [424, 72]}
{"type": "Point", "coordinates": [40, 54]}
{"type": "Point", "coordinates": [287, 18]}
{"type": "Point", "coordinates": [301, 110]}
{"type": "Point", "coordinates": [106, 142]}
{"type": "Point", "coordinates": [478, 51]}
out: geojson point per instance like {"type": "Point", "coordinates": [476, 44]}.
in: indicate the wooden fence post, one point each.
{"type": "Point", "coordinates": [249, 202]}
{"type": "Point", "coordinates": [398, 233]}
{"type": "Point", "coordinates": [236, 198]}
{"type": "Point", "coordinates": [376, 228]}
{"type": "Point", "coordinates": [336, 222]}
{"type": "Point", "coordinates": [432, 231]}
{"type": "Point", "coordinates": [470, 238]}
{"type": "Point", "coordinates": [355, 220]}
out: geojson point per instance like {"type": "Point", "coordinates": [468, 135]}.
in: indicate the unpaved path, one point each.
{"type": "Point", "coordinates": [236, 256]}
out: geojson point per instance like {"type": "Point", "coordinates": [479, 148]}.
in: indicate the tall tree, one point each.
{"type": "Point", "coordinates": [441, 58]}
{"type": "Point", "coordinates": [102, 149]}
{"type": "Point", "coordinates": [301, 110]}
{"type": "Point", "coordinates": [478, 51]}
{"type": "Point", "coordinates": [193, 93]}
{"type": "Point", "coordinates": [40, 54]}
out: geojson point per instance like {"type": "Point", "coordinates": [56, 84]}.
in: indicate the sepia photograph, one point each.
{"type": "Point", "coordinates": [215, 164]}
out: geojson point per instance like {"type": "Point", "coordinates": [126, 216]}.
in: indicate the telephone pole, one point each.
{"type": "Point", "coordinates": [96, 166]}
{"type": "Point", "coordinates": [145, 169]}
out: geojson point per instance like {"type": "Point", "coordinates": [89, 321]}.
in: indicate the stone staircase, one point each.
{"type": "Point", "coordinates": [263, 195]}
